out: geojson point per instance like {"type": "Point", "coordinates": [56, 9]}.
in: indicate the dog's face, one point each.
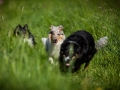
{"type": "Point", "coordinates": [56, 34]}
{"type": "Point", "coordinates": [21, 31]}
{"type": "Point", "coordinates": [25, 34]}
{"type": "Point", "coordinates": [69, 52]}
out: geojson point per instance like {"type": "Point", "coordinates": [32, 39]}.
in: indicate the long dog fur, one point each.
{"type": "Point", "coordinates": [53, 42]}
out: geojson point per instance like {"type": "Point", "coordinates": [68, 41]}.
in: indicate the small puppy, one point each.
{"type": "Point", "coordinates": [53, 42]}
{"type": "Point", "coordinates": [78, 48]}
{"type": "Point", "coordinates": [24, 33]}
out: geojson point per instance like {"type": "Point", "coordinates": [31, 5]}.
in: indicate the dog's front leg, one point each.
{"type": "Point", "coordinates": [51, 60]}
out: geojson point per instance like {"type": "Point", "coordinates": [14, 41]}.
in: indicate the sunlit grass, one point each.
{"type": "Point", "coordinates": [23, 67]}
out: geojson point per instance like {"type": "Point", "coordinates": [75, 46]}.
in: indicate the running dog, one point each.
{"type": "Point", "coordinates": [25, 33]}
{"type": "Point", "coordinates": [53, 42]}
{"type": "Point", "coordinates": [78, 48]}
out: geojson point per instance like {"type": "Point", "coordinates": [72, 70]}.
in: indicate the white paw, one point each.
{"type": "Point", "coordinates": [51, 60]}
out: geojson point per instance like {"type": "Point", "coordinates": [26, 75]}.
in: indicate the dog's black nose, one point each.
{"type": "Point", "coordinates": [68, 62]}
{"type": "Point", "coordinates": [55, 40]}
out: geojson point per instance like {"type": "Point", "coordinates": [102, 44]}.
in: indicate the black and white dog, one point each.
{"type": "Point", "coordinates": [25, 33]}
{"type": "Point", "coordinates": [77, 49]}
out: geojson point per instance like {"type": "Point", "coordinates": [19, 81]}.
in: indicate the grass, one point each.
{"type": "Point", "coordinates": [23, 68]}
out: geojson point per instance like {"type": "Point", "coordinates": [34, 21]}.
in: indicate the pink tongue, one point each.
{"type": "Point", "coordinates": [55, 42]}
{"type": "Point", "coordinates": [67, 64]}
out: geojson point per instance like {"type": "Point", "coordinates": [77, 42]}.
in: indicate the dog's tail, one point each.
{"type": "Point", "coordinates": [102, 42]}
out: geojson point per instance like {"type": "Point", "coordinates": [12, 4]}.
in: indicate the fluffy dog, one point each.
{"type": "Point", "coordinates": [53, 42]}
{"type": "Point", "coordinates": [77, 49]}
{"type": "Point", "coordinates": [24, 33]}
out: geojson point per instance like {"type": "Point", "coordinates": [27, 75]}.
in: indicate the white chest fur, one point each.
{"type": "Point", "coordinates": [55, 50]}
{"type": "Point", "coordinates": [29, 41]}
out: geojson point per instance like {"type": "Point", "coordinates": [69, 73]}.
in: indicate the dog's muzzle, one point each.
{"type": "Point", "coordinates": [55, 41]}
{"type": "Point", "coordinates": [67, 59]}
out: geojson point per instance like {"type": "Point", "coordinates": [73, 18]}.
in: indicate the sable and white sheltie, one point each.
{"type": "Point", "coordinates": [25, 33]}
{"type": "Point", "coordinates": [53, 42]}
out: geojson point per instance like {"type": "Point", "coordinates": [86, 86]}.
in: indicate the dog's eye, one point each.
{"type": "Point", "coordinates": [18, 33]}
{"type": "Point", "coordinates": [61, 34]}
{"type": "Point", "coordinates": [61, 52]}
{"type": "Point", "coordinates": [63, 55]}
{"type": "Point", "coordinates": [58, 34]}
{"type": "Point", "coordinates": [74, 53]}
{"type": "Point", "coordinates": [67, 51]}
{"type": "Point", "coordinates": [51, 32]}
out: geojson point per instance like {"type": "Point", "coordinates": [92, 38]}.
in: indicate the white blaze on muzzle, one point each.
{"type": "Point", "coordinates": [67, 61]}
{"type": "Point", "coordinates": [67, 58]}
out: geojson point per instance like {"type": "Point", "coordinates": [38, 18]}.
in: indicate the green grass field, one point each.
{"type": "Point", "coordinates": [25, 68]}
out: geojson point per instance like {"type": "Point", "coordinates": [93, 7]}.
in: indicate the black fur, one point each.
{"type": "Point", "coordinates": [24, 32]}
{"type": "Point", "coordinates": [83, 49]}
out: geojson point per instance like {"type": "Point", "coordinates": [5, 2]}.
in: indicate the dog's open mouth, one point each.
{"type": "Point", "coordinates": [54, 41]}
{"type": "Point", "coordinates": [68, 64]}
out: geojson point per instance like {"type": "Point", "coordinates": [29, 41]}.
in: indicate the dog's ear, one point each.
{"type": "Point", "coordinates": [49, 36]}
{"type": "Point", "coordinates": [16, 31]}
{"type": "Point", "coordinates": [66, 44]}
{"type": "Point", "coordinates": [77, 49]}
{"type": "Point", "coordinates": [51, 27]}
{"type": "Point", "coordinates": [19, 26]}
{"type": "Point", "coordinates": [26, 27]}
{"type": "Point", "coordinates": [60, 27]}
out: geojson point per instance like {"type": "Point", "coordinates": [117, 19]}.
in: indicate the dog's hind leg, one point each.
{"type": "Point", "coordinates": [90, 58]}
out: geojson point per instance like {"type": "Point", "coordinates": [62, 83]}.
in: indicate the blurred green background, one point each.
{"type": "Point", "coordinates": [25, 68]}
